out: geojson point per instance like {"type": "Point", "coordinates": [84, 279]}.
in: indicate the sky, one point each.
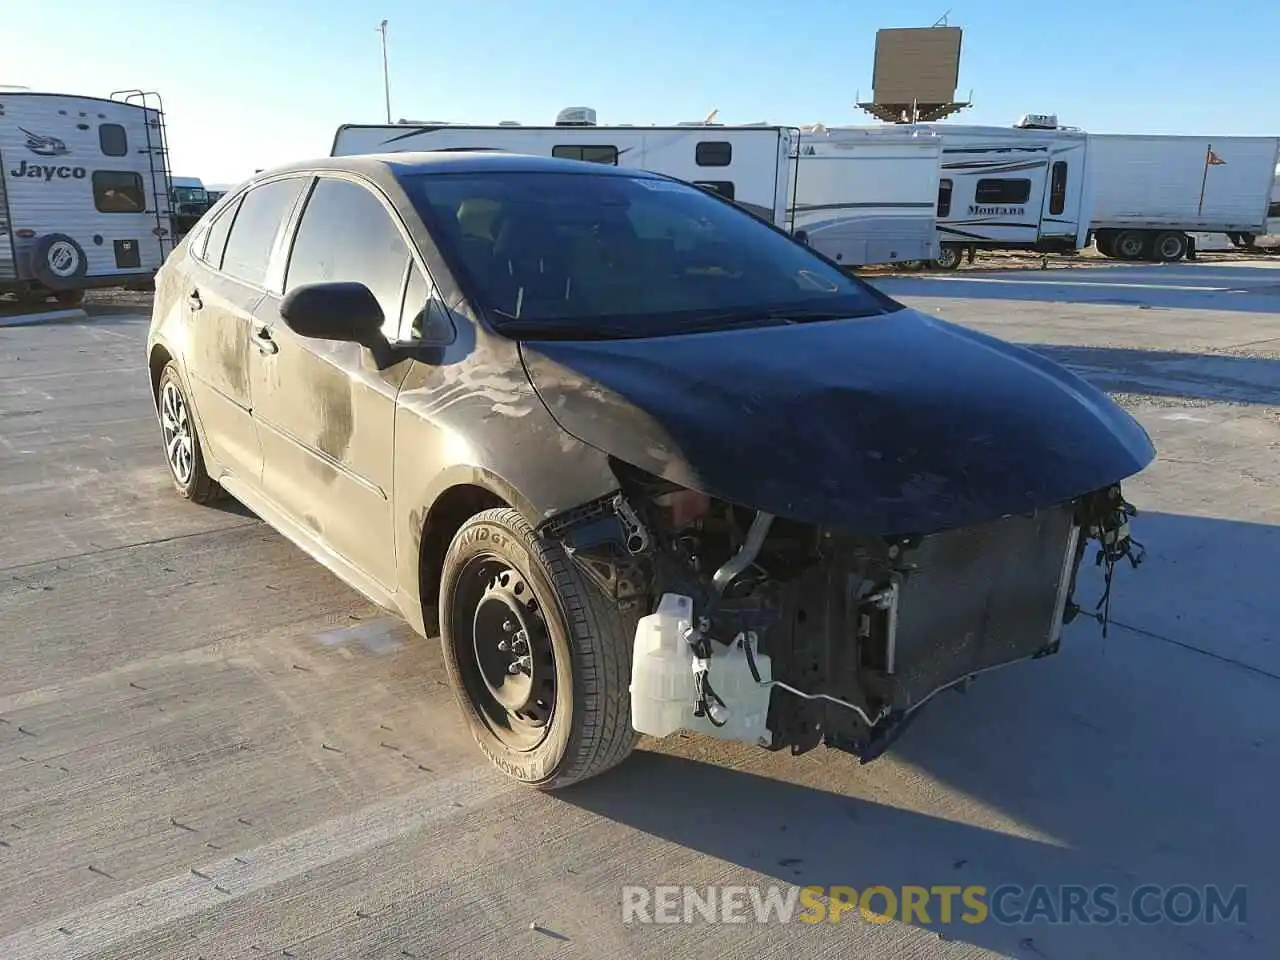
{"type": "Point", "coordinates": [247, 85]}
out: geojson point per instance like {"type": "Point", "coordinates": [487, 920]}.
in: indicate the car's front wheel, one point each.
{"type": "Point", "coordinates": [182, 449]}
{"type": "Point", "coordinates": [539, 659]}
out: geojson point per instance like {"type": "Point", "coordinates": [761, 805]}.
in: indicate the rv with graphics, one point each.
{"type": "Point", "coordinates": [859, 196]}
{"type": "Point", "coordinates": [84, 193]}
{"type": "Point", "coordinates": [1026, 187]}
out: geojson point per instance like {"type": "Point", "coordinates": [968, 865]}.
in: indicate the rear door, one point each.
{"type": "Point", "coordinates": [222, 282]}
{"type": "Point", "coordinates": [325, 413]}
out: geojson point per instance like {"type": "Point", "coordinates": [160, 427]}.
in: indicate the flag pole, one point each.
{"type": "Point", "coordinates": [1204, 179]}
{"type": "Point", "coordinates": [386, 80]}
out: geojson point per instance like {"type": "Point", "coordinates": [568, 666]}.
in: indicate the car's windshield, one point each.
{"type": "Point", "coordinates": [565, 254]}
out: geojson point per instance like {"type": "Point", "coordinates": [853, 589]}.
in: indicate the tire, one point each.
{"type": "Point", "coordinates": [948, 257]}
{"type": "Point", "coordinates": [1104, 244]}
{"type": "Point", "coordinates": [500, 577]}
{"type": "Point", "coordinates": [185, 459]}
{"type": "Point", "coordinates": [1169, 247]}
{"type": "Point", "coordinates": [69, 298]}
{"type": "Point", "coordinates": [58, 261]}
{"type": "Point", "coordinates": [911, 265]}
{"type": "Point", "coordinates": [1129, 245]}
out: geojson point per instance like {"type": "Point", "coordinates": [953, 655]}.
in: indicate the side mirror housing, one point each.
{"type": "Point", "coordinates": [342, 311]}
{"type": "Point", "coordinates": [802, 236]}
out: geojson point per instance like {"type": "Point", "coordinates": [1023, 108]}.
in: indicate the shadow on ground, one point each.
{"type": "Point", "coordinates": [1252, 289]}
{"type": "Point", "coordinates": [1168, 373]}
{"type": "Point", "coordinates": [1128, 761]}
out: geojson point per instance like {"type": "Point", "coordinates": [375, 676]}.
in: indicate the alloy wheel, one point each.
{"type": "Point", "coordinates": [175, 422]}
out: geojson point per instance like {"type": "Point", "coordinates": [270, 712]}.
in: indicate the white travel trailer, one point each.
{"type": "Point", "coordinates": [867, 194]}
{"type": "Point", "coordinates": [84, 192]}
{"type": "Point", "coordinates": [1028, 186]}
{"type": "Point", "coordinates": [1151, 192]}
{"type": "Point", "coordinates": [844, 199]}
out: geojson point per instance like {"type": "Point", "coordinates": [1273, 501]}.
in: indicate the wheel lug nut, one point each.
{"type": "Point", "coordinates": [513, 667]}
{"type": "Point", "coordinates": [504, 646]}
{"type": "Point", "coordinates": [508, 626]}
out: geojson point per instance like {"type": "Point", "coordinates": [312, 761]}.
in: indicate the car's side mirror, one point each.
{"type": "Point", "coordinates": [343, 311]}
{"type": "Point", "coordinates": [802, 236]}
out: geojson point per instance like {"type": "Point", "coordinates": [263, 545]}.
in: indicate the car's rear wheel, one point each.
{"type": "Point", "coordinates": [539, 659]}
{"type": "Point", "coordinates": [182, 450]}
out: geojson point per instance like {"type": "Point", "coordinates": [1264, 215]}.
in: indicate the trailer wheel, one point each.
{"type": "Point", "coordinates": [1129, 245]}
{"type": "Point", "coordinates": [1104, 243]}
{"type": "Point", "coordinates": [948, 257]}
{"type": "Point", "coordinates": [1168, 247]}
{"type": "Point", "coordinates": [58, 261]}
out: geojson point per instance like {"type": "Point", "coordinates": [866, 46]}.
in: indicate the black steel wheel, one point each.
{"type": "Point", "coordinates": [1169, 247]}
{"type": "Point", "coordinates": [511, 677]}
{"type": "Point", "coordinates": [539, 659]}
{"type": "Point", "coordinates": [1129, 245]}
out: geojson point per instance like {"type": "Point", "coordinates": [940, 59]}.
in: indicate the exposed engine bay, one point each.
{"type": "Point", "coordinates": [824, 636]}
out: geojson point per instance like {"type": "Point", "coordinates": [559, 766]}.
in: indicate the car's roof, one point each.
{"type": "Point", "coordinates": [377, 165]}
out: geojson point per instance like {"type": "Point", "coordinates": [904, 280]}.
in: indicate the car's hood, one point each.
{"type": "Point", "coordinates": [887, 425]}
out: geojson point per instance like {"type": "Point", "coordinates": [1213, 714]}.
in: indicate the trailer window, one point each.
{"type": "Point", "coordinates": [714, 153]}
{"type": "Point", "coordinates": [944, 197]}
{"type": "Point", "coordinates": [1002, 190]}
{"type": "Point", "coordinates": [113, 140]}
{"type": "Point", "coordinates": [591, 154]}
{"type": "Point", "coordinates": [722, 187]}
{"type": "Point", "coordinates": [118, 191]}
{"type": "Point", "coordinates": [1058, 188]}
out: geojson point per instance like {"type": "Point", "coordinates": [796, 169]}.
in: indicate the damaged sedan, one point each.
{"type": "Point", "coordinates": [644, 462]}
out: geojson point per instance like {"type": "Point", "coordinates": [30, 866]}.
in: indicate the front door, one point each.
{"type": "Point", "coordinates": [325, 413]}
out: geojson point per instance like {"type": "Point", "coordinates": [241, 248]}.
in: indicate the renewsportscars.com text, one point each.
{"type": "Point", "coordinates": [1007, 904]}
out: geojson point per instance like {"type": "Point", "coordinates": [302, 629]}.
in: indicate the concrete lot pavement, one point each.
{"type": "Point", "coordinates": [211, 748]}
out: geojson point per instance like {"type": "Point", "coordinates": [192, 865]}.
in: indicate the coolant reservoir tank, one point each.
{"type": "Point", "coordinates": [748, 701]}
{"type": "Point", "coordinates": [662, 688]}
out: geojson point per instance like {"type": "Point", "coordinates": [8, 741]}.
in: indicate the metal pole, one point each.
{"type": "Point", "coordinates": [386, 80]}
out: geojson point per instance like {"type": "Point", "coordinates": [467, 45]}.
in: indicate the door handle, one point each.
{"type": "Point", "coordinates": [194, 301]}
{"type": "Point", "coordinates": [262, 340]}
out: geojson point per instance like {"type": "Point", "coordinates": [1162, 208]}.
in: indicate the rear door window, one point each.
{"type": "Point", "coordinates": [211, 248]}
{"type": "Point", "coordinates": [253, 234]}
{"type": "Point", "coordinates": [348, 234]}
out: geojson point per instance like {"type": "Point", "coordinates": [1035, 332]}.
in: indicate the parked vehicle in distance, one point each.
{"type": "Point", "coordinates": [84, 193]}
{"type": "Point", "coordinates": [1025, 187]}
{"type": "Point", "coordinates": [189, 200]}
{"type": "Point", "coordinates": [637, 454]}
{"type": "Point", "coordinates": [1150, 192]}
{"type": "Point", "coordinates": [865, 194]}
{"type": "Point", "coordinates": [861, 195]}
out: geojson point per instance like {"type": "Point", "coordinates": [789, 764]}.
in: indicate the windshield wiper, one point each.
{"type": "Point", "coordinates": [772, 315]}
{"type": "Point", "coordinates": [584, 329]}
